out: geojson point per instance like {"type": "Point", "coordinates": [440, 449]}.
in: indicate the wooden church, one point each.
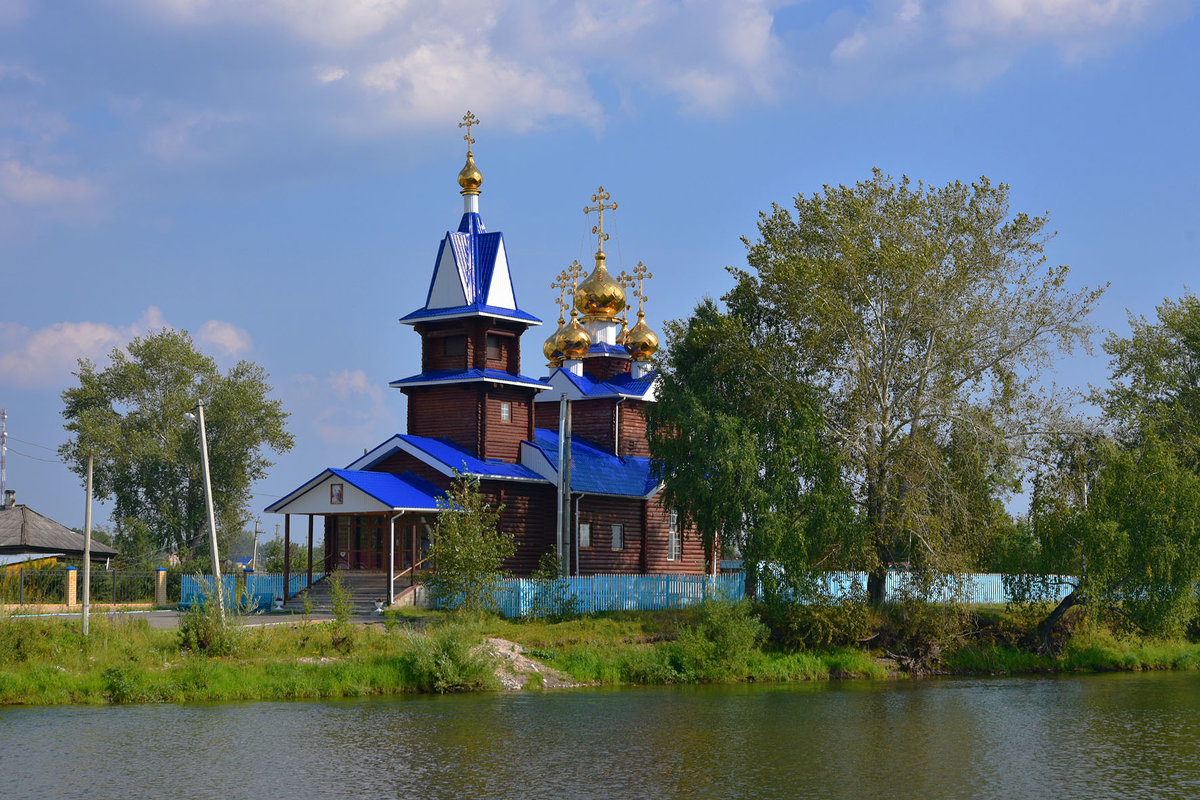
{"type": "Point", "coordinates": [472, 410]}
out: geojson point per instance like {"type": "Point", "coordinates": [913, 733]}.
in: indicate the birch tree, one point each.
{"type": "Point", "coordinates": [926, 317]}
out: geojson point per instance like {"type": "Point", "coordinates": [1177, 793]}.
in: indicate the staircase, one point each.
{"type": "Point", "coordinates": [364, 587]}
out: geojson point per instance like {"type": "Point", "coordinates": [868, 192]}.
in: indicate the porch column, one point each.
{"type": "Point", "coordinates": [287, 555]}
{"type": "Point", "coordinates": [310, 548]}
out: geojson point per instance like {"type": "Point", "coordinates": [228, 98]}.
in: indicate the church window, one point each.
{"type": "Point", "coordinates": [493, 347]}
{"type": "Point", "coordinates": [674, 540]}
{"type": "Point", "coordinates": [585, 534]}
{"type": "Point", "coordinates": [505, 411]}
{"type": "Point", "coordinates": [618, 537]}
{"type": "Point", "coordinates": [454, 346]}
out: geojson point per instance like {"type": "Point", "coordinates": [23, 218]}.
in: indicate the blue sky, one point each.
{"type": "Point", "coordinates": [275, 177]}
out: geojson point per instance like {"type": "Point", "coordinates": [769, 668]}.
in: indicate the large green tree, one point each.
{"type": "Point", "coordinates": [743, 455]}
{"type": "Point", "coordinates": [1116, 529]}
{"type": "Point", "coordinates": [925, 317]}
{"type": "Point", "coordinates": [130, 416]}
{"type": "Point", "coordinates": [1155, 388]}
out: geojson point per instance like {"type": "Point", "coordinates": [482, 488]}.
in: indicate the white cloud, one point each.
{"type": "Point", "coordinates": [46, 357]}
{"type": "Point", "coordinates": [346, 407]}
{"type": "Point", "coordinates": [224, 336]}
{"type": "Point", "coordinates": [27, 186]}
{"type": "Point", "coordinates": [331, 74]}
{"type": "Point", "coordinates": [189, 136]}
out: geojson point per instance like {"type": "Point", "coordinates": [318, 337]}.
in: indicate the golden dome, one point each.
{"type": "Point", "coordinates": [641, 341]}
{"type": "Point", "coordinates": [553, 354]}
{"type": "Point", "coordinates": [470, 178]}
{"type": "Point", "coordinates": [573, 341]}
{"type": "Point", "coordinates": [600, 296]}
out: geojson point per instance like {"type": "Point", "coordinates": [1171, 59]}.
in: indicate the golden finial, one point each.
{"type": "Point", "coordinates": [563, 283]}
{"type": "Point", "coordinates": [469, 178]}
{"type": "Point", "coordinates": [600, 198]}
{"type": "Point", "coordinates": [553, 346]}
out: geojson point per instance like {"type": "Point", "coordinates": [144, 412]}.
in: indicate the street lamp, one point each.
{"type": "Point", "coordinates": [212, 520]}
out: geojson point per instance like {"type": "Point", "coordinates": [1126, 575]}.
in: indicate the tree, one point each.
{"type": "Point", "coordinates": [468, 549]}
{"type": "Point", "coordinates": [743, 455]}
{"type": "Point", "coordinates": [147, 455]}
{"type": "Point", "coordinates": [1155, 389]}
{"type": "Point", "coordinates": [1120, 528]}
{"type": "Point", "coordinates": [924, 317]}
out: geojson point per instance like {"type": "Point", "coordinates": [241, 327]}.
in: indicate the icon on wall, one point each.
{"type": "Point", "coordinates": [335, 494]}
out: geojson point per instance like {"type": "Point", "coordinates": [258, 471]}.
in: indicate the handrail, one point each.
{"type": "Point", "coordinates": [411, 572]}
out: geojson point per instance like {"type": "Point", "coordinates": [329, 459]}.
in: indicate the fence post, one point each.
{"type": "Point", "coordinates": [71, 586]}
{"type": "Point", "coordinates": [160, 587]}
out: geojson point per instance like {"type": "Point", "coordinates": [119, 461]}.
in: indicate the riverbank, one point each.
{"type": "Point", "coordinates": [48, 662]}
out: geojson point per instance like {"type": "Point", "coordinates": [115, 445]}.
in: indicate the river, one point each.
{"type": "Point", "coordinates": [1106, 736]}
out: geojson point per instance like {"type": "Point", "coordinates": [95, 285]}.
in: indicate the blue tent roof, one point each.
{"type": "Point", "coordinates": [476, 264]}
{"type": "Point", "coordinates": [466, 375]}
{"type": "Point", "coordinates": [455, 457]}
{"type": "Point", "coordinates": [596, 471]}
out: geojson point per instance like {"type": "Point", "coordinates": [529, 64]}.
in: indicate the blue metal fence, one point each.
{"type": "Point", "coordinates": [589, 594]}
{"type": "Point", "coordinates": [256, 590]}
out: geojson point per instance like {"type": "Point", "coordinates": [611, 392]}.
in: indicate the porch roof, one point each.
{"type": "Point", "coordinates": [361, 492]}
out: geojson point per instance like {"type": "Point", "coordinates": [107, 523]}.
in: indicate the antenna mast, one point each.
{"type": "Point", "coordinates": [3, 455]}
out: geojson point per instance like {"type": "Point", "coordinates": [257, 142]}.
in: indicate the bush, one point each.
{"type": "Point", "coordinates": [552, 599]}
{"type": "Point", "coordinates": [448, 659]}
{"type": "Point", "coordinates": [468, 550]}
{"type": "Point", "coordinates": [818, 624]}
{"type": "Point", "coordinates": [719, 644]}
{"type": "Point", "coordinates": [203, 629]}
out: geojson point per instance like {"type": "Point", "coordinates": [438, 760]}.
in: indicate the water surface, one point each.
{"type": "Point", "coordinates": [1127, 736]}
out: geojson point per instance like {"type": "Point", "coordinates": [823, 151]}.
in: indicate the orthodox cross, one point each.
{"type": "Point", "coordinates": [640, 274]}
{"type": "Point", "coordinates": [599, 199]}
{"type": "Point", "coordinates": [625, 281]}
{"type": "Point", "coordinates": [562, 284]}
{"type": "Point", "coordinates": [573, 272]}
{"type": "Point", "coordinates": [469, 120]}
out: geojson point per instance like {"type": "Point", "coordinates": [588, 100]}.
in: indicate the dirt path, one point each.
{"type": "Point", "coordinates": [516, 670]}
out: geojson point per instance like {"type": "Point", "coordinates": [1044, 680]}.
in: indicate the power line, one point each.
{"type": "Point", "coordinates": [35, 458]}
{"type": "Point", "coordinates": [33, 444]}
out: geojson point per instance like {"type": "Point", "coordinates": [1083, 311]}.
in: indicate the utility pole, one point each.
{"type": "Point", "coordinates": [3, 455]}
{"type": "Point", "coordinates": [254, 557]}
{"type": "Point", "coordinates": [87, 548]}
{"type": "Point", "coordinates": [218, 589]}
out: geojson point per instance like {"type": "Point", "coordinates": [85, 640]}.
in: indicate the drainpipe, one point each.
{"type": "Point", "coordinates": [617, 426]}
{"type": "Point", "coordinates": [563, 525]}
{"type": "Point", "coordinates": [577, 499]}
{"type": "Point", "coordinates": [392, 557]}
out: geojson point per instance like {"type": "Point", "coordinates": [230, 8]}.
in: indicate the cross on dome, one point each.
{"type": "Point", "coordinates": [599, 199]}
{"type": "Point", "coordinates": [467, 121]}
{"type": "Point", "coordinates": [640, 274]}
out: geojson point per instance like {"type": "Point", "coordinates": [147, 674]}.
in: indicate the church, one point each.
{"type": "Point", "coordinates": [565, 455]}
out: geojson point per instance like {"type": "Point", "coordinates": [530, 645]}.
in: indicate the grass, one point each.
{"type": "Point", "coordinates": [48, 661]}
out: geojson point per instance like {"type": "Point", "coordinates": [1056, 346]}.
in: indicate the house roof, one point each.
{"type": "Point", "coordinates": [447, 457]}
{"type": "Point", "coordinates": [581, 386]}
{"type": "Point", "coordinates": [379, 491]}
{"type": "Point", "coordinates": [23, 530]}
{"type": "Point", "coordinates": [594, 471]}
{"type": "Point", "coordinates": [471, 278]}
{"type": "Point", "coordinates": [472, 375]}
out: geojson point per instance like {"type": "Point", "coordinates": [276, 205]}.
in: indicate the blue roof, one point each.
{"type": "Point", "coordinates": [595, 471]}
{"type": "Point", "coordinates": [404, 490]}
{"type": "Point", "coordinates": [476, 266]}
{"type": "Point", "coordinates": [456, 457]}
{"type": "Point", "coordinates": [467, 375]}
{"type": "Point", "coordinates": [623, 383]}
{"type": "Point", "coordinates": [606, 349]}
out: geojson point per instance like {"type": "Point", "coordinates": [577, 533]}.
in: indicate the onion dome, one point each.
{"type": "Point", "coordinates": [470, 178]}
{"type": "Point", "coordinates": [553, 354]}
{"type": "Point", "coordinates": [600, 297]}
{"type": "Point", "coordinates": [641, 342]}
{"type": "Point", "coordinates": [572, 340]}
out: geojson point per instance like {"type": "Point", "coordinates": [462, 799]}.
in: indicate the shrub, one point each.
{"type": "Point", "coordinates": [818, 624]}
{"type": "Point", "coordinates": [448, 659]}
{"type": "Point", "coordinates": [203, 629]}
{"type": "Point", "coordinates": [552, 598]}
{"type": "Point", "coordinates": [719, 643]}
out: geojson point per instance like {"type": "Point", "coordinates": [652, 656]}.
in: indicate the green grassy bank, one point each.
{"type": "Point", "coordinates": [44, 662]}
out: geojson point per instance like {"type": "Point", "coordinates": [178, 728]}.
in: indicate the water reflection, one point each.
{"type": "Point", "coordinates": [1088, 737]}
